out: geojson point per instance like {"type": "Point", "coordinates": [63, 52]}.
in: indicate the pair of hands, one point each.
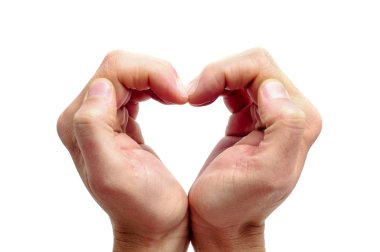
{"type": "Point", "coordinates": [250, 172]}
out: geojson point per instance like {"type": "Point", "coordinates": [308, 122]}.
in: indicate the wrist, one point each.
{"type": "Point", "coordinates": [138, 244]}
{"type": "Point", "coordinates": [244, 238]}
{"type": "Point", "coordinates": [176, 240]}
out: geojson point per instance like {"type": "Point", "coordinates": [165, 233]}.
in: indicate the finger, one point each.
{"type": "Point", "coordinates": [284, 124]}
{"type": "Point", "coordinates": [140, 72]}
{"type": "Point", "coordinates": [139, 96]}
{"type": "Point", "coordinates": [236, 100]}
{"type": "Point", "coordinates": [127, 72]}
{"type": "Point", "coordinates": [241, 123]}
{"type": "Point", "coordinates": [122, 117]}
{"type": "Point", "coordinates": [133, 130]}
{"type": "Point", "coordinates": [249, 70]}
{"type": "Point", "coordinates": [95, 123]}
{"type": "Point", "coordinates": [66, 120]}
{"type": "Point", "coordinates": [132, 109]}
{"type": "Point", "coordinates": [241, 71]}
{"type": "Point", "coordinates": [256, 118]}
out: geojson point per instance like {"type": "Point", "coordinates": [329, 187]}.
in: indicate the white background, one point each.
{"type": "Point", "coordinates": [49, 49]}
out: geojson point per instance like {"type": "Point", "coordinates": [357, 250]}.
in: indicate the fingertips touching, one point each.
{"type": "Point", "coordinates": [204, 90]}
{"type": "Point", "coordinates": [192, 86]}
{"type": "Point", "coordinates": [181, 90]}
{"type": "Point", "coordinates": [137, 72]}
{"type": "Point", "coordinates": [166, 86]}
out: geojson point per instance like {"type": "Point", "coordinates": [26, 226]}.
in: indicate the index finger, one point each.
{"type": "Point", "coordinates": [245, 70]}
{"type": "Point", "coordinates": [248, 71]}
{"type": "Point", "coordinates": [127, 72]}
{"type": "Point", "coordinates": [139, 72]}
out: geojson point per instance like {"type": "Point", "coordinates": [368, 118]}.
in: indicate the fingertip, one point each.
{"type": "Point", "coordinates": [168, 89]}
{"type": "Point", "coordinates": [182, 92]}
{"type": "Point", "coordinates": [200, 93]}
{"type": "Point", "coordinates": [98, 103]}
{"type": "Point", "coordinates": [272, 89]}
{"type": "Point", "coordinates": [100, 88]}
{"type": "Point", "coordinates": [192, 87]}
{"type": "Point", "coordinates": [277, 107]}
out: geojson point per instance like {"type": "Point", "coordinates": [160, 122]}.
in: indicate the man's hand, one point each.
{"type": "Point", "coordinates": [257, 164]}
{"type": "Point", "coordinates": [147, 206]}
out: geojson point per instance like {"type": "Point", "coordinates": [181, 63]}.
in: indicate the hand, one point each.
{"type": "Point", "coordinates": [147, 206]}
{"type": "Point", "coordinates": [256, 165]}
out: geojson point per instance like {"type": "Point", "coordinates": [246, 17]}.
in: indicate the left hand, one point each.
{"type": "Point", "coordinates": [146, 204]}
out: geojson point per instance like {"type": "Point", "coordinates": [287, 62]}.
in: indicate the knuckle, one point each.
{"type": "Point", "coordinates": [210, 69]}
{"type": "Point", "coordinates": [260, 53]}
{"type": "Point", "coordinates": [112, 55]}
{"type": "Point", "coordinates": [318, 122]}
{"type": "Point", "coordinates": [110, 60]}
{"type": "Point", "coordinates": [262, 57]}
{"type": "Point", "coordinates": [209, 73]}
{"type": "Point", "coordinates": [86, 120]}
{"type": "Point", "coordinates": [64, 129]}
{"type": "Point", "coordinates": [61, 126]}
{"type": "Point", "coordinates": [314, 125]}
{"type": "Point", "coordinates": [292, 118]}
{"type": "Point", "coordinates": [165, 64]}
{"type": "Point", "coordinates": [162, 65]}
{"type": "Point", "coordinates": [65, 133]}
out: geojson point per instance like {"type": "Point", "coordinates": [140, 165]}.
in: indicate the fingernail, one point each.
{"type": "Point", "coordinates": [99, 88]}
{"type": "Point", "coordinates": [274, 89]}
{"type": "Point", "coordinates": [192, 86]}
{"type": "Point", "coordinates": [181, 88]}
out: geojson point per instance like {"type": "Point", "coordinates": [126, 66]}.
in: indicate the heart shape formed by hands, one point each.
{"type": "Point", "coordinates": [249, 173]}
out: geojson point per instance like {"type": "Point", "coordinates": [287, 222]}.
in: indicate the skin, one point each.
{"type": "Point", "coordinates": [147, 206]}
{"type": "Point", "coordinates": [258, 162]}
{"type": "Point", "coordinates": [250, 172]}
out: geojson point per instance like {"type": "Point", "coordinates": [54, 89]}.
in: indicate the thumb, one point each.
{"type": "Point", "coordinates": [284, 122]}
{"type": "Point", "coordinates": [95, 121]}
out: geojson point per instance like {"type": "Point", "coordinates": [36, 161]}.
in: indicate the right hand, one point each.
{"type": "Point", "coordinates": [147, 206]}
{"type": "Point", "coordinates": [257, 163]}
